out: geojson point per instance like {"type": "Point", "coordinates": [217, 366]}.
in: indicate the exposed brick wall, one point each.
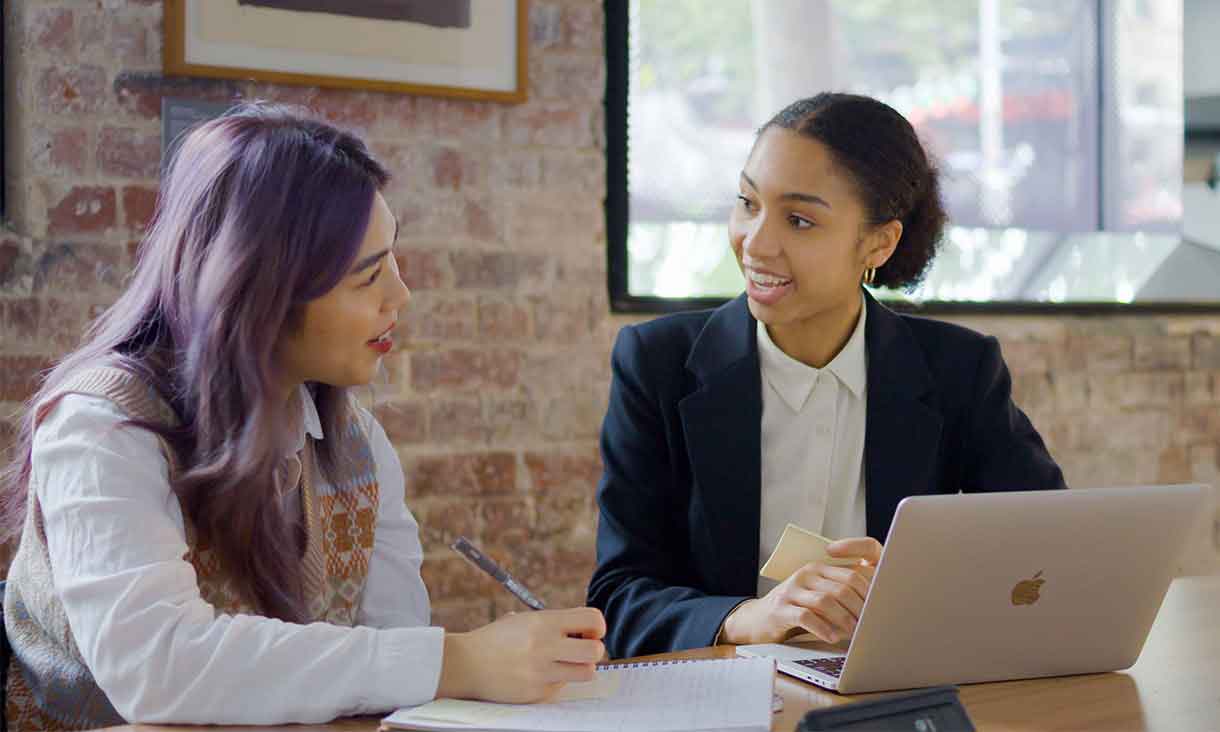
{"type": "Point", "coordinates": [497, 396]}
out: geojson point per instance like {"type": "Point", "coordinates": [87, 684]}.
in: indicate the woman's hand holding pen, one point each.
{"type": "Point", "coordinates": [819, 599]}
{"type": "Point", "coordinates": [523, 657]}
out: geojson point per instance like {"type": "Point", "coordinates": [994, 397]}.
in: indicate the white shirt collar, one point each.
{"type": "Point", "coordinates": [311, 423]}
{"type": "Point", "coordinates": [794, 381]}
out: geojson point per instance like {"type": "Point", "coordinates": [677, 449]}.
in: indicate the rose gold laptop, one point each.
{"type": "Point", "coordinates": [994, 586]}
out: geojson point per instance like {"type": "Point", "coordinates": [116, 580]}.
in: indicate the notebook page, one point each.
{"type": "Point", "coordinates": [722, 694]}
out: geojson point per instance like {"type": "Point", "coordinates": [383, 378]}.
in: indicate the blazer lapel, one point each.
{"type": "Point", "coordinates": [903, 422]}
{"type": "Point", "coordinates": [722, 421]}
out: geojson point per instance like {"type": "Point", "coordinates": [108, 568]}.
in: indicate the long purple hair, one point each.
{"type": "Point", "coordinates": [262, 210]}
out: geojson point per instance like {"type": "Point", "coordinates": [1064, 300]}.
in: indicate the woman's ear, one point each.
{"type": "Point", "coordinates": [880, 243]}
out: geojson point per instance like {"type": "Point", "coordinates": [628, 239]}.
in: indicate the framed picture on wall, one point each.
{"type": "Point", "coordinates": [474, 49]}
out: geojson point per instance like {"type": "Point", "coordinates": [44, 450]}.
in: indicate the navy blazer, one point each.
{"type": "Point", "coordinates": [679, 499]}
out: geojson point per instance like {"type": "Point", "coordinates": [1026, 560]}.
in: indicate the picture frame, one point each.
{"type": "Point", "coordinates": [469, 49]}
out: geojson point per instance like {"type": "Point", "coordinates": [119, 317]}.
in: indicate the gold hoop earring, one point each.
{"type": "Point", "coordinates": [869, 275]}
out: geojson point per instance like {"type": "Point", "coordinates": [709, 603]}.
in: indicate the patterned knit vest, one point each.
{"type": "Point", "coordinates": [49, 685]}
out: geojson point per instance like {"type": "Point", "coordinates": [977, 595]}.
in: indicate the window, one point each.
{"type": "Point", "coordinates": [1057, 125]}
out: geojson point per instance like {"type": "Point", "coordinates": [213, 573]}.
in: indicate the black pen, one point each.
{"type": "Point", "coordinates": [472, 554]}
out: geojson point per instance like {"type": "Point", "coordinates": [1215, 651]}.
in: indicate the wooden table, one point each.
{"type": "Point", "coordinates": [1175, 684]}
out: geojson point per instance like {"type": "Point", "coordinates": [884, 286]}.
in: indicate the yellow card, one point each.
{"type": "Point", "coordinates": [798, 547]}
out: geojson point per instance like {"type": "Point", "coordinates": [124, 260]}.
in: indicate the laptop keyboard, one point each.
{"type": "Point", "coordinates": [832, 666]}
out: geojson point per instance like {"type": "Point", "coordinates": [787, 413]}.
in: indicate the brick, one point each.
{"type": "Point", "coordinates": [1101, 468]}
{"type": "Point", "coordinates": [405, 422]}
{"type": "Point", "coordinates": [574, 415]}
{"type": "Point", "coordinates": [458, 420]}
{"type": "Point", "coordinates": [127, 153]}
{"type": "Point", "coordinates": [52, 31]}
{"type": "Point", "coordinates": [511, 419]}
{"type": "Point", "coordinates": [568, 77]}
{"type": "Point", "coordinates": [91, 38]}
{"type": "Point", "coordinates": [13, 263]}
{"type": "Point", "coordinates": [481, 220]}
{"type": "Point", "coordinates": [462, 616]}
{"type": "Point", "coordinates": [1033, 390]}
{"type": "Point", "coordinates": [1205, 465]}
{"type": "Point", "coordinates": [397, 369]}
{"type": "Point", "coordinates": [466, 121]}
{"type": "Point", "coordinates": [345, 107]}
{"type": "Point", "coordinates": [404, 116]}
{"type": "Point", "coordinates": [546, 24]}
{"type": "Point", "coordinates": [1072, 389]}
{"type": "Point", "coordinates": [1097, 353]}
{"type": "Point", "coordinates": [129, 41]}
{"type": "Point", "coordinates": [451, 578]}
{"type": "Point", "coordinates": [584, 27]}
{"type": "Point", "coordinates": [20, 376]}
{"type": "Point", "coordinates": [139, 204]}
{"type": "Point", "coordinates": [431, 218]}
{"type": "Point", "coordinates": [1162, 353]}
{"type": "Point", "coordinates": [556, 221]}
{"type": "Point", "coordinates": [139, 92]}
{"type": "Point", "coordinates": [564, 485]}
{"type": "Point", "coordinates": [496, 270]}
{"type": "Point", "coordinates": [34, 324]}
{"type": "Point", "coordinates": [79, 268]}
{"type": "Point", "coordinates": [1157, 389]}
{"type": "Point", "coordinates": [515, 169]}
{"type": "Point", "coordinates": [567, 370]}
{"type": "Point", "coordinates": [1173, 465]}
{"type": "Point", "coordinates": [506, 514]}
{"type": "Point", "coordinates": [438, 318]}
{"type": "Point", "coordinates": [1134, 431]}
{"type": "Point", "coordinates": [562, 318]}
{"type": "Point", "coordinates": [1197, 426]}
{"type": "Point", "coordinates": [71, 91]}
{"type": "Point", "coordinates": [60, 152]}
{"type": "Point", "coordinates": [423, 269]}
{"type": "Point", "coordinates": [465, 369]}
{"type": "Point", "coordinates": [581, 267]}
{"type": "Point", "coordinates": [503, 320]}
{"type": "Point", "coordinates": [552, 123]}
{"type": "Point", "coordinates": [1026, 356]}
{"type": "Point", "coordinates": [1205, 351]}
{"type": "Point", "coordinates": [467, 474]}
{"type": "Point", "coordinates": [83, 210]}
{"type": "Point", "coordinates": [575, 171]}
{"type": "Point", "coordinates": [455, 168]}
{"type": "Point", "coordinates": [444, 519]}
{"type": "Point", "coordinates": [1202, 387]}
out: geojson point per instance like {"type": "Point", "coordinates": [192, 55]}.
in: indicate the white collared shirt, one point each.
{"type": "Point", "coordinates": [115, 535]}
{"type": "Point", "coordinates": [812, 443]}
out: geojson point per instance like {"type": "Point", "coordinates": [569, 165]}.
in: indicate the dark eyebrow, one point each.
{"type": "Point", "coordinates": [805, 197]}
{"type": "Point", "coordinates": [367, 262]}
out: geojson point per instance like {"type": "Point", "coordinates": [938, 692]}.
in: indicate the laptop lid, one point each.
{"type": "Point", "coordinates": [993, 586]}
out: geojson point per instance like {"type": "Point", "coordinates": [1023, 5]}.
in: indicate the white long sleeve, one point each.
{"type": "Point", "coordinates": [116, 540]}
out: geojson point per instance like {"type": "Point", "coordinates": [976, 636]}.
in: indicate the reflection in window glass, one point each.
{"type": "Point", "coordinates": [1005, 93]}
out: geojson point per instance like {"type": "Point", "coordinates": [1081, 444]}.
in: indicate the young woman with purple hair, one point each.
{"type": "Point", "coordinates": [211, 530]}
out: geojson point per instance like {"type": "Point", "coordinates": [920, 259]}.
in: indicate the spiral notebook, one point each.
{"type": "Point", "coordinates": [725, 695]}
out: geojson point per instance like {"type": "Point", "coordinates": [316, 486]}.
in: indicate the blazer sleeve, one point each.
{"type": "Point", "coordinates": [1003, 450]}
{"type": "Point", "coordinates": [645, 570]}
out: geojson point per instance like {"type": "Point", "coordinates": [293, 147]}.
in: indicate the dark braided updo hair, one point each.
{"type": "Point", "coordinates": [895, 180]}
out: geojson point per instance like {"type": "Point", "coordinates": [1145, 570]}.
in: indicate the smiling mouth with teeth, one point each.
{"type": "Point", "coordinates": [765, 280]}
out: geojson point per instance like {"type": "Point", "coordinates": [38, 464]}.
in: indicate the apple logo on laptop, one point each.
{"type": "Point", "coordinates": [1026, 591]}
